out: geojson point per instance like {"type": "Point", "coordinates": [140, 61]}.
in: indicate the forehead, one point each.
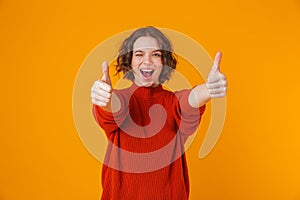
{"type": "Point", "coordinates": [145, 43]}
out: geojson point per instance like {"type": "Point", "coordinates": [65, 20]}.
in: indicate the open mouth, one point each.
{"type": "Point", "coordinates": [147, 73]}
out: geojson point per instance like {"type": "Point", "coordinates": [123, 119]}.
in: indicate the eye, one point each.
{"type": "Point", "coordinates": [138, 54]}
{"type": "Point", "coordinates": [156, 55]}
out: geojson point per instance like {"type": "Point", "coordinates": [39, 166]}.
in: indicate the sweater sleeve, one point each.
{"type": "Point", "coordinates": [187, 117]}
{"type": "Point", "coordinates": [110, 122]}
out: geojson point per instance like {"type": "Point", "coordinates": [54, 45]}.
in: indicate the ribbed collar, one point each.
{"type": "Point", "coordinates": [146, 92]}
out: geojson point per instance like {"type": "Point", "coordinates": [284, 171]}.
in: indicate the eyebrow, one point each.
{"type": "Point", "coordinates": [141, 51]}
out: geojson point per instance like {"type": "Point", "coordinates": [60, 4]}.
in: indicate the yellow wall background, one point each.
{"type": "Point", "coordinates": [43, 44]}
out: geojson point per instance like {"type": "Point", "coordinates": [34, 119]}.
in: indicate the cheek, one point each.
{"type": "Point", "coordinates": [158, 61]}
{"type": "Point", "coordinates": [158, 64]}
{"type": "Point", "coordinates": [134, 62]}
{"type": "Point", "coordinates": [158, 69]}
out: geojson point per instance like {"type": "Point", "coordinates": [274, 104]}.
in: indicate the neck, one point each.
{"type": "Point", "coordinates": [146, 92]}
{"type": "Point", "coordinates": [153, 85]}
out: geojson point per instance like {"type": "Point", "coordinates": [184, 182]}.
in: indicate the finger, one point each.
{"type": "Point", "coordinates": [101, 85]}
{"type": "Point", "coordinates": [213, 78]}
{"type": "Point", "coordinates": [99, 103]}
{"type": "Point", "coordinates": [101, 98]}
{"type": "Point", "coordinates": [218, 95]}
{"type": "Point", "coordinates": [217, 90]}
{"type": "Point", "coordinates": [216, 77]}
{"type": "Point", "coordinates": [216, 84]}
{"type": "Point", "coordinates": [95, 85]}
{"type": "Point", "coordinates": [103, 93]}
{"type": "Point", "coordinates": [104, 86]}
{"type": "Point", "coordinates": [216, 65]}
{"type": "Point", "coordinates": [105, 71]}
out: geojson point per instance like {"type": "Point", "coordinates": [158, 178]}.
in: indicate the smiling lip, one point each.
{"type": "Point", "coordinates": [147, 73]}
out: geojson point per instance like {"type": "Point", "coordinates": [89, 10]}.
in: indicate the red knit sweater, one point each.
{"type": "Point", "coordinates": [145, 157]}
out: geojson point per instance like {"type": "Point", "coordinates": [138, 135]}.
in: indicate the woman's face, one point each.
{"type": "Point", "coordinates": [146, 62]}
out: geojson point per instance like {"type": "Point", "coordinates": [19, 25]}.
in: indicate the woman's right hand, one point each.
{"type": "Point", "coordinates": [101, 91]}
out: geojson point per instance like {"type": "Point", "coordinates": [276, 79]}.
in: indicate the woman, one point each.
{"type": "Point", "coordinates": [146, 125]}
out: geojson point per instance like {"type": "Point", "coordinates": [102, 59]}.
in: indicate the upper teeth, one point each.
{"type": "Point", "coordinates": [146, 70]}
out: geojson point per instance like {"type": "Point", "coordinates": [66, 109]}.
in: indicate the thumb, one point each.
{"type": "Point", "coordinates": [105, 70]}
{"type": "Point", "coordinates": [216, 65]}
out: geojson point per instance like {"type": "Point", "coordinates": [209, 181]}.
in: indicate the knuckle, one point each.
{"type": "Point", "coordinates": [208, 85]}
{"type": "Point", "coordinates": [108, 87]}
{"type": "Point", "coordinates": [96, 84]}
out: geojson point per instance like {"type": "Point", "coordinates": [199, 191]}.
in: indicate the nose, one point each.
{"type": "Point", "coordinates": [147, 59]}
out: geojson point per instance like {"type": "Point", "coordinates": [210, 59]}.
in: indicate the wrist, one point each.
{"type": "Point", "coordinates": [199, 96]}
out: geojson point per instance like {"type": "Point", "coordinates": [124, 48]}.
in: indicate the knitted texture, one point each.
{"type": "Point", "coordinates": [145, 157]}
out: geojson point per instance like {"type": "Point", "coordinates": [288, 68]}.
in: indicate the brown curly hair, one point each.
{"type": "Point", "coordinates": [168, 57]}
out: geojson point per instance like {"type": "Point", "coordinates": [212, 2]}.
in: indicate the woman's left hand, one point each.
{"type": "Point", "coordinates": [216, 81]}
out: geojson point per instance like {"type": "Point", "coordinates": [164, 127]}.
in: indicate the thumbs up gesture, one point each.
{"type": "Point", "coordinates": [101, 91]}
{"type": "Point", "coordinates": [216, 81]}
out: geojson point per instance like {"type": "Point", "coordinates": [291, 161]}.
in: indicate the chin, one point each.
{"type": "Point", "coordinates": [147, 84]}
